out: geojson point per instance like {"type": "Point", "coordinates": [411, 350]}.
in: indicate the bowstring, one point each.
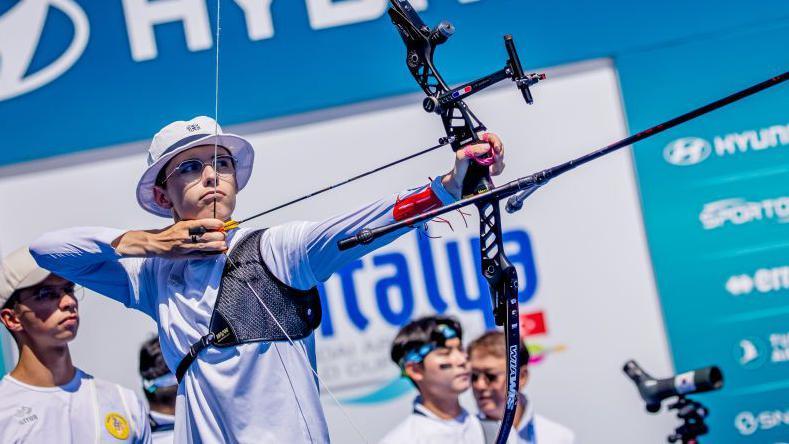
{"type": "Point", "coordinates": [303, 355]}
{"type": "Point", "coordinates": [257, 296]}
{"type": "Point", "coordinates": [216, 103]}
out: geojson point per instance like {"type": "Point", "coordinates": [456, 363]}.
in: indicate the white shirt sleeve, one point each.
{"type": "Point", "coordinates": [302, 254]}
{"type": "Point", "coordinates": [86, 257]}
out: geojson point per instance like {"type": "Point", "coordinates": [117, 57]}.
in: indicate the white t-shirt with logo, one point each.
{"type": "Point", "coordinates": [537, 429]}
{"type": "Point", "coordinates": [423, 427]}
{"type": "Point", "coordinates": [84, 410]}
{"type": "Point", "coordinates": [262, 392]}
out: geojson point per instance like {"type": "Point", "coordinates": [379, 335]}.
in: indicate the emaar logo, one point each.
{"type": "Point", "coordinates": [687, 151]}
{"type": "Point", "coordinates": [20, 33]}
{"type": "Point", "coordinates": [764, 280]}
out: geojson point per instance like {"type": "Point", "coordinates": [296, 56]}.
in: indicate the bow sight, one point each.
{"type": "Point", "coordinates": [513, 71]}
{"type": "Point", "coordinates": [421, 42]}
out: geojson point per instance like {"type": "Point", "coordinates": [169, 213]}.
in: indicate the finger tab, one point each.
{"type": "Point", "coordinates": [197, 231]}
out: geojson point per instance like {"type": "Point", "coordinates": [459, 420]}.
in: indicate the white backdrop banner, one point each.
{"type": "Point", "coordinates": [587, 293]}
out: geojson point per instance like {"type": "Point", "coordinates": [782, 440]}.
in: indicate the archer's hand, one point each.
{"type": "Point", "coordinates": [175, 241]}
{"type": "Point", "coordinates": [491, 144]}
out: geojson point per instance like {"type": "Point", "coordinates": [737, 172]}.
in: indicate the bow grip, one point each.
{"type": "Point", "coordinates": [477, 179]}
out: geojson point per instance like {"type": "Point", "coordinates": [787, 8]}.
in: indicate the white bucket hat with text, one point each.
{"type": "Point", "coordinates": [180, 136]}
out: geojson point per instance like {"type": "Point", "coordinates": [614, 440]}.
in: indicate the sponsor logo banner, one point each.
{"type": "Point", "coordinates": [748, 423]}
{"type": "Point", "coordinates": [688, 151]}
{"type": "Point", "coordinates": [738, 211]}
{"type": "Point", "coordinates": [763, 280]}
{"type": "Point", "coordinates": [716, 209]}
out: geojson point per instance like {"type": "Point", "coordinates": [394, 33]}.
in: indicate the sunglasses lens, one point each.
{"type": "Point", "coordinates": [190, 168]}
{"type": "Point", "coordinates": [225, 165]}
{"type": "Point", "coordinates": [46, 294]}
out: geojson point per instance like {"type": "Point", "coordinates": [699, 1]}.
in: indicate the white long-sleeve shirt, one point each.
{"type": "Point", "coordinates": [258, 392]}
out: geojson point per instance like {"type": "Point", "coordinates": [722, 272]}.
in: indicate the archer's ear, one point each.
{"type": "Point", "coordinates": [11, 321]}
{"type": "Point", "coordinates": [415, 371]}
{"type": "Point", "coordinates": [160, 196]}
{"type": "Point", "coordinates": [523, 378]}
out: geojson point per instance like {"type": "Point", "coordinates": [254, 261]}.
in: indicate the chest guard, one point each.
{"type": "Point", "coordinates": [240, 318]}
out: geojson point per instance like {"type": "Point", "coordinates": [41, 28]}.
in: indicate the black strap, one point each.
{"type": "Point", "coordinates": [156, 427]}
{"type": "Point", "coordinates": [162, 428]}
{"type": "Point", "coordinates": [187, 360]}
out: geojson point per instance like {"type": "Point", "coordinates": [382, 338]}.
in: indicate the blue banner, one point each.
{"type": "Point", "coordinates": [715, 195]}
{"type": "Point", "coordinates": [79, 74]}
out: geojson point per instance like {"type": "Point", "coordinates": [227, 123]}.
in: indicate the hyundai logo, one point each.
{"type": "Point", "coordinates": [21, 28]}
{"type": "Point", "coordinates": [687, 151]}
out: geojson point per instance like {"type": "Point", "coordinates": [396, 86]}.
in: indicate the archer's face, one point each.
{"type": "Point", "coordinates": [45, 314]}
{"type": "Point", "coordinates": [193, 186]}
{"type": "Point", "coordinates": [489, 383]}
{"type": "Point", "coordinates": [445, 370]}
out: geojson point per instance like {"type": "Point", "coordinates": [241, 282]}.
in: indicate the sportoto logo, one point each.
{"type": "Point", "coordinates": [21, 28]}
{"type": "Point", "coordinates": [687, 151]}
{"type": "Point", "coordinates": [738, 211]}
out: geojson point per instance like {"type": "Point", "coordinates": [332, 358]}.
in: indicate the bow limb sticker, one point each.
{"type": "Point", "coordinates": [21, 28]}
{"type": "Point", "coordinates": [117, 426]}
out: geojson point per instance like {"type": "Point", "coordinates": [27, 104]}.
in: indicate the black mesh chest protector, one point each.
{"type": "Point", "coordinates": [239, 317]}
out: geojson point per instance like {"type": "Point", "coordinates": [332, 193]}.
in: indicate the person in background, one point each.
{"type": "Point", "coordinates": [429, 351]}
{"type": "Point", "coordinates": [46, 398]}
{"type": "Point", "coordinates": [161, 389]}
{"type": "Point", "coordinates": [488, 382]}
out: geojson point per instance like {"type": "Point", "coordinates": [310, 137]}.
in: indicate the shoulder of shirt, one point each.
{"type": "Point", "coordinates": [278, 236]}
{"type": "Point", "coordinates": [5, 383]}
{"type": "Point", "coordinates": [401, 431]}
{"type": "Point", "coordinates": [561, 434]}
{"type": "Point", "coordinates": [102, 384]}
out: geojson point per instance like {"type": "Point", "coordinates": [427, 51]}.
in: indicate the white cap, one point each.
{"type": "Point", "coordinates": [180, 136]}
{"type": "Point", "coordinates": [19, 270]}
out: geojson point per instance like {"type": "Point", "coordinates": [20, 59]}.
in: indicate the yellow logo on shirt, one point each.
{"type": "Point", "coordinates": [117, 425]}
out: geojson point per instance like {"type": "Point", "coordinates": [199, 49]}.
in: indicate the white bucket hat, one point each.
{"type": "Point", "coordinates": [180, 136]}
{"type": "Point", "coordinates": [19, 270]}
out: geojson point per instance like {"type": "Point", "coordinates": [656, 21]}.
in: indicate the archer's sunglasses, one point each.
{"type": "Point", "coordinates": [191, 170]}
{"type": "Point", "coordinates": [489, 377]}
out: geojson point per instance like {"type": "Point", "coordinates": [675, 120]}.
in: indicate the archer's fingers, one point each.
{"type": "Point", "coordinates": [198, 229]}
{"type": "Point", "coordinates": [498, 167]}
{"type": "Point", "coordinates": [214, 246]}
{"type": "Point", "coordinates": [212, 236]}
{"type": "Point", "coordinates": [475, 150]}
{"type": "Point", "coordinates": [497, 152]}
{"type": "Point", "coordinates": [495, 142]}
{"type": "Point", "coordinates": [203, 247]}
{"type": "Point", "coordinates": [208, 224]}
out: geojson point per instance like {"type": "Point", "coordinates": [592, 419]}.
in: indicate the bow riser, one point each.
{"type": "Point", "coordinates": [462, 128]}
